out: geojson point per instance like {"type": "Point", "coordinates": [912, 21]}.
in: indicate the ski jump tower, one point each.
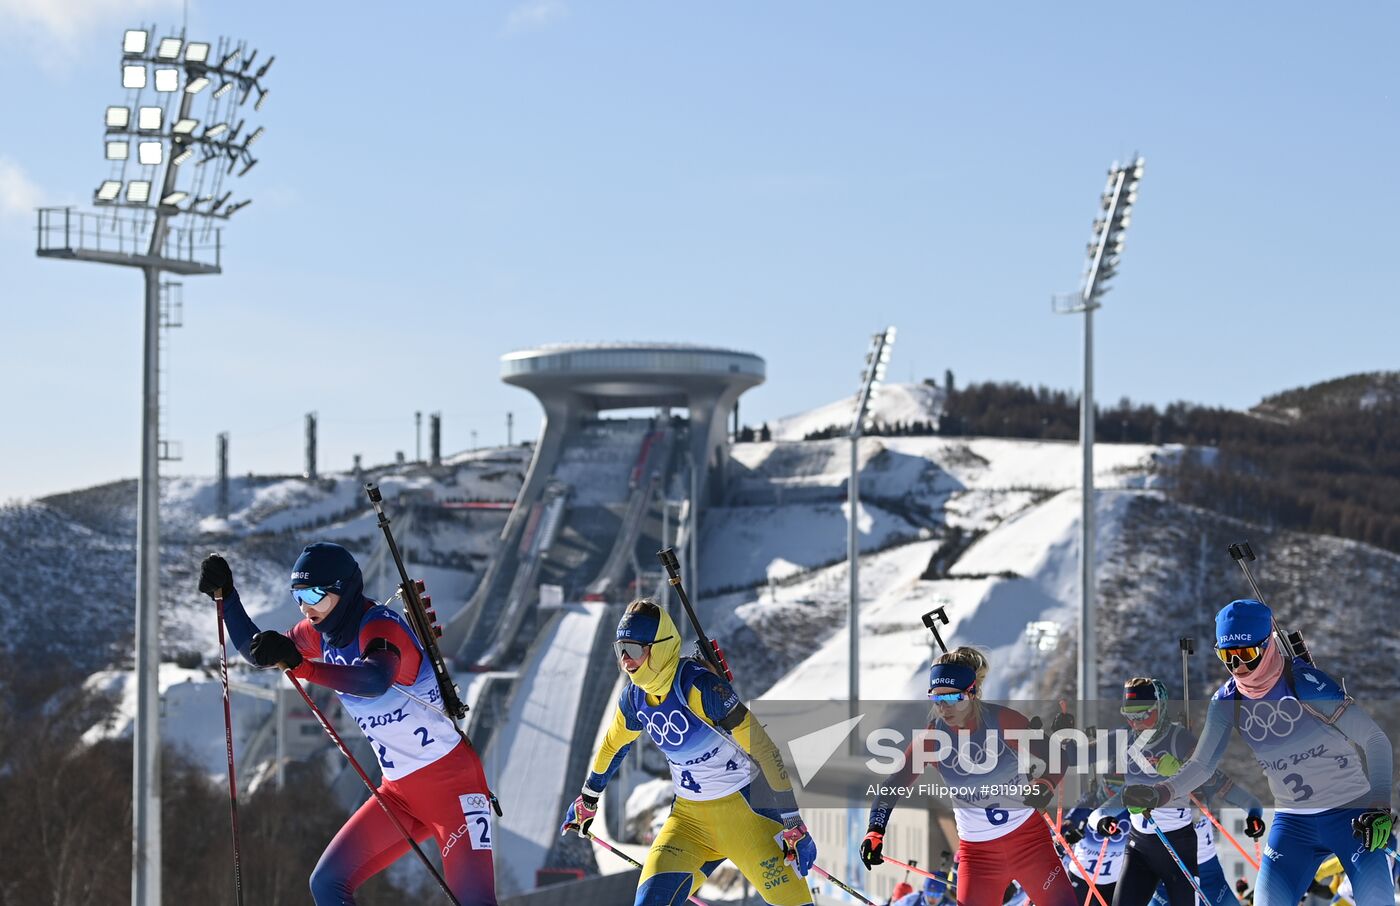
{"type": "Point", "coordinates": [575, 382]}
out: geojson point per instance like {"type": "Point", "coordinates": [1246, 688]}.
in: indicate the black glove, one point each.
{"type": "Point", "coordinates": [1061, 721]}
{"type": "Point", "coordinates": [272, 648]}
{"type": "Point", "coordinates": [215, 578]}
{"type": "Point", "coordinates": [1072, 833]}
{"type": "Point", "coordinates": [1144, 797]}
{"type": "Point", "coordinates": [1108, 826]}
{"type": "Point", "coordinates": [1254, 827]}
{"type": "Point", "coordinates": [872, 847]}
{"type": "Point", "coordinates": [1374, 828]}
{"type": "Point", "coordinates": [1041, 794]}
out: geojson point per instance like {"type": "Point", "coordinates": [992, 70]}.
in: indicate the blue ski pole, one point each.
{"type": "Point", "coordinates": [1176, 858]}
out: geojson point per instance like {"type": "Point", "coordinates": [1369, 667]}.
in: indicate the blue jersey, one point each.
{"type": "Point", "coordinates": [1310, 764]}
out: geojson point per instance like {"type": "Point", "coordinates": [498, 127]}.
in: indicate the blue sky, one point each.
{"type": "Point", "coordinates": [445, 183]}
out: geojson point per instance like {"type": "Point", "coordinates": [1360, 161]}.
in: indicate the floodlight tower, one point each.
{"type": "Point", "coordinates": [1105, 250]}
{"type": "Point", "coordinates": [160, 218]}
{"type": "Point", "coordinates": [876, 360]}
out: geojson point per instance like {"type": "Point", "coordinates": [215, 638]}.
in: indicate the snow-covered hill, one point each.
{"type": "Point", "coordinates": [986, 527]}
{"type": "Point", "coordinates": [893, 403]}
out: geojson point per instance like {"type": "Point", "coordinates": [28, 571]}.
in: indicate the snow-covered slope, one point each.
{"type": "Point", "coordinates": [893, 403]}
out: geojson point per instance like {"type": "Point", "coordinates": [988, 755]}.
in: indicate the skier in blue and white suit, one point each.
{"type": "Point", "coordinates": [1327, 763]}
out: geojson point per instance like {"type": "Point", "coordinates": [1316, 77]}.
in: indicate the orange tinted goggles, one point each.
{"type": "Point", "coordinates": [1232, 657]}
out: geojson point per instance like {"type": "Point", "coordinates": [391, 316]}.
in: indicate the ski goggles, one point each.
{"type": "Point", "coordinates": [313, 596]}
{"type": "Point", "coordinates": [1233, 657]}
{"type": "Point", "coordinates": [1136, 714]}
{"type": "Point", "coordinates": [948, 698]}
{"type": "Point", "coordinates": [635, 651]}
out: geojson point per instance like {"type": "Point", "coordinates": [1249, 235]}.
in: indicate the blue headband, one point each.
{"type": "Point", "coordinates": [639, 626]}
{"type": "Point", "coordinates": [959, 676]}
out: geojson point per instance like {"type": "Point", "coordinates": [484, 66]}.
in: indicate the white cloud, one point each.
{"type": "Point", "coordinates": [63, 24]}
{"type": "Point", "coordinates": [530, 16]}
{"type": "Point", "coordinates": [19, 196]}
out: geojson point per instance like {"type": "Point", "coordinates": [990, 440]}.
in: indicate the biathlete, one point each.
{"type": "Point", "coordinates": [1001, 838]}
{"type": "Point", "coordinates": [733, 797]}
{"type": "Point", "coordinates": [368, 654]}
{"type": "Point", "coordinates": [934, 892]}
{"type": "Point", "coordinates": [1327, 763]}
{"type": "Point", "coordinates": [1164, 745]}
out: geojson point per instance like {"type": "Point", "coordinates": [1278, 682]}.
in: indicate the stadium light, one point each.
{"type": "Point", "coordinates": [1104, 251]}
{"type": "Point", "coordinates": [871, 377]}
{"type": "Point", "coordinates": [166, 133]}
{"type": "Point", "coordinates": [134, 42]}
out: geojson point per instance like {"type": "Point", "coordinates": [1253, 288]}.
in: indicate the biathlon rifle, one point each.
{"type": "Point", "coordinates": [932, 619]}
{"type": "Point", "coordinates": [1292, 642]}
{"type": "Point", "coordinates": [708, 647]}
{"type": "Point", "coordinates": [418, 610]}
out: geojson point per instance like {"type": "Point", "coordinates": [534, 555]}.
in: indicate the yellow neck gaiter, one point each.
{"type": "Point", "coordinates": [658, 671]}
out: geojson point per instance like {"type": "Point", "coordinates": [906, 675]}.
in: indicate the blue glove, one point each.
{"type": "Point", "coordinates": [797, 844]}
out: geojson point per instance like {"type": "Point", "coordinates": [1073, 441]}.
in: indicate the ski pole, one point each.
{"type": "Point", "coordinates": [633, 862]}
{"type": "Point", "coordinates": [1064, 845]}
{"type": "Point", "coordinates": [228, 746]}
{"type": "Point", "coordinates": [904, 880]}
{"type": "Point", "coordinates": [1059, 788]}
{"type": "Point", "coordinates": [843, 885]}
{"type": "Point", "coordinates": [1098, 868]}
{"type": "Point", "coordinates": [344, 750]}
{"type": "Point", "coordinates": [1176, 858]}
{"type": "Point", "coordinates": [1218, 826]}
{"type": "Point", "coordinates": [709, 648]}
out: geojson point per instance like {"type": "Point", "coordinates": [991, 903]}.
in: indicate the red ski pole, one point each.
{"type": "Point", "coordinates": [228, 746]}
{"type": "Point", "coordinates": [340, 744]}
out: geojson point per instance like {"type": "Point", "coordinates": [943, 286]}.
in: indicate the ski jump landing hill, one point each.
{"type": "Point", "coordinates": [593, 510]}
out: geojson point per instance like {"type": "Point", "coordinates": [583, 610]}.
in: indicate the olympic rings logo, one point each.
{"type": "Point", "coordinates": [668, 729]}
{"type": "Point", "coordinates": [1263, 719]}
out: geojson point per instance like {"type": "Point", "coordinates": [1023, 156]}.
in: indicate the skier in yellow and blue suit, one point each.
{"type": "Point", "coordinates": [733, 797]}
